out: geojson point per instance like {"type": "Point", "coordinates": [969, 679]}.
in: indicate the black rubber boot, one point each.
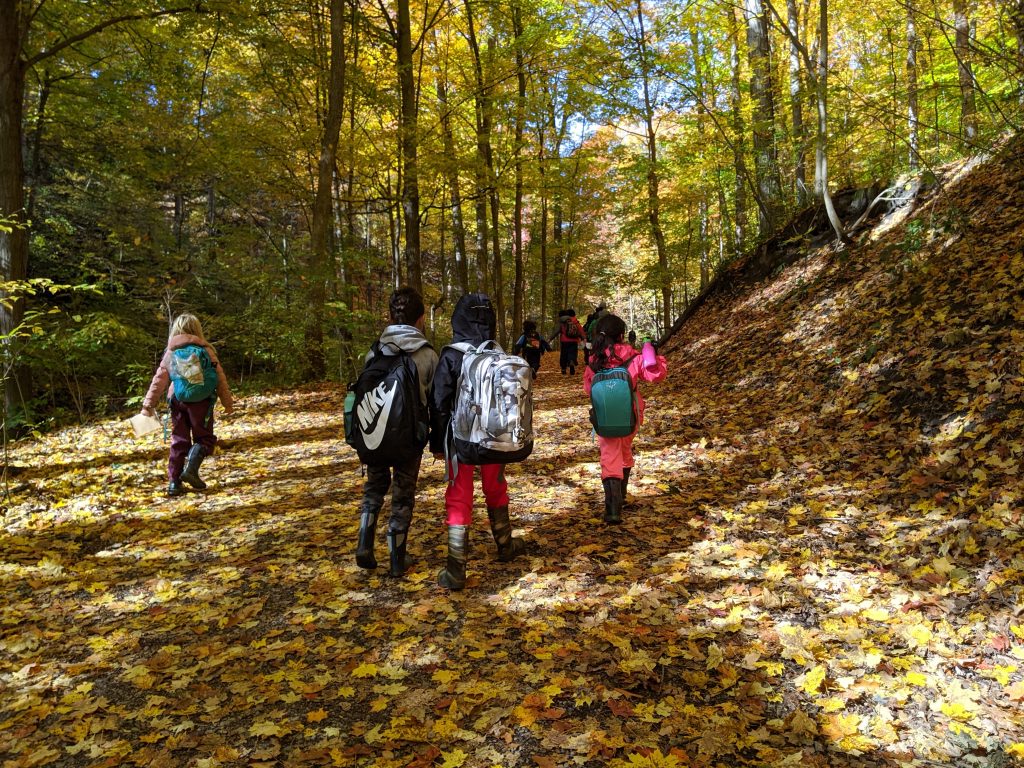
{"type": "Point", "coordinates": [625, 485]}
{"type": "Point", "coordinates": [175, 488]}
{"type": "Point", "coordinates": [364, 547]}
{"type": "Point", "coordinates": [454, 574]}
{"type": "Point", "coordinates": [612, 499]}
{"type": "Point", "coordinates": [400, 561]}
{"type": "Point", "coordinates": [508, 548]}
{"type": "Point", "coordinates": [190, 474]}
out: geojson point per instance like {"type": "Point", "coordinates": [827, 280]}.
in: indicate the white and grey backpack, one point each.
{"type": "Point", "coordinates": [493, 418]}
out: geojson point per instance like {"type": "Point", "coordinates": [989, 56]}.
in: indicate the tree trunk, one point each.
{"type": "Point", "coordinates": [739, 138]}
{"type": "Point", "coordinates": [518, 292]}
{"type": "Point", "coordinates": [766, 164]}
{"type": "Point", "coordinates": [13, 223]}
{"type": "Point", "coordinates": [323, 204]}
{"type": "Point", "coordinates": [965, 73]}
{"type": "Point", "coordinates": [913, 111]}
{"type": "Point", "coordinates": [702, 204]}
{"type": "Point", "coordinates": [483, 143]}
{"type": "Point", "coordinates": [1017, 17]}
{"type": "Point", "coordinates": [821, 154]}
{"type": "Point", "coordinates": [452, 176]}
{"type": "Point", "coordinates": [410, 140]}
{"type": "Point", "coordinates": [796, 103]}
{"type": "Point", "coordinates": [35, 166]}
{"type": "Point", "coordinates": [653, 181]}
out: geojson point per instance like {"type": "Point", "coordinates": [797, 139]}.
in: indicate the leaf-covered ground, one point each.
{"type": "Point", "coordinates": [822, 564]}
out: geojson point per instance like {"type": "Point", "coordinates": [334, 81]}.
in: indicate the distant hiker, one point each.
{"type": "Point", "coordinates": [473, 324]}
{"type": "Point", "coordinates": [193, 378]}
{"type": "Point", "coordinates": [388, 425]}
{"type": "Point", "coordinates": [617, 407]}
{"type": "Point", "coordinates": [588, 328]}
{"type": "Point", "coordinates": [632, 338]}
{"type": "Point", "coordinates": [570, 334]}
{"type": "Point", "coordinates": [531, 346]}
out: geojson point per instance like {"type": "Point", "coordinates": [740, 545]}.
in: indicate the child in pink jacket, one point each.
{"type": "Point", "coordinates": [610, 351]}
{"type": "Point", "coordinates": [192, 437]}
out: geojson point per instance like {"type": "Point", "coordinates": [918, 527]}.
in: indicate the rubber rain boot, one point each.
{"type": "Point", "coordinates": [509, 548]}
{"type": "Point", "coordinates": [190, 474]}
{"type": "Point", "coordinates": [454, 574]}
{"type": "Point", "coordinates": [612, 499]}
{"type": "Point", "coordinates": [400, 560]}
{"type": "Point", "coordinates": [364, 546]}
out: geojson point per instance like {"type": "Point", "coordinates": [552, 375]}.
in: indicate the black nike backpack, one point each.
{"type": "Point", "coordinates": [388, 424]}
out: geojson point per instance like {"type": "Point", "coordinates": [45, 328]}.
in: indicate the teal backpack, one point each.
{"type": "Point", "coordinates": [192, 373]}
{"type": "Point", "coordinates": [613, 402]}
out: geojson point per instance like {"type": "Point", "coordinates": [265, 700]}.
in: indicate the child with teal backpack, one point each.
{"type": "Point", "coordinates": [191, 374]}
{"type": "Point", "coordinates": [610, 380]}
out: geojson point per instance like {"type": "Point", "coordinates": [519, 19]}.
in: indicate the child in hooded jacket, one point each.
{"type": "Point", "coordinates": [404, 334]}
{"type": "Point", "coordinates": [531, 346]}
{"type": "Point", "coordinates": [192, 437]}
{"type": "Point", "coordinates": [570, 335]}
{"type": "Point", "coordinates": [473, 321]}
{"type": "Point", "coordinates": [610, 351]}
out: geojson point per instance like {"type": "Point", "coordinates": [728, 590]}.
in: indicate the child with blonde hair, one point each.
{"type": "Point", "coordinates": [193, 378]}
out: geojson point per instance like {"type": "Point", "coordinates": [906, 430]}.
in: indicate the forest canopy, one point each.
{"type": "Point", "coordinates": [277, 168]}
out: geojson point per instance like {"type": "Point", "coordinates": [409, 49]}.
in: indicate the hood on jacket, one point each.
{"type": "Point", "coordinates": [408, 338]}
{"type": "Point", "coordinates": [183, 340]}
{"type": "Point", "coordinates": [473, 320]}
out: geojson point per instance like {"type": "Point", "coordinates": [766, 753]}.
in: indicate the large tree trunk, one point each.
{"type": "Point", "coordinates": [766, 164]}
{"type": "Point", "coordinates": [739, 138]}
{"type": "Point", "coordinates": [1017, 16]}
{"type": "Point", "coordinates": [796, 103]}
{"type": "Point", "coordinates": [452, 176]}
{"type": "Point", "coordinates": [913, 111]}
{"type": "Point", "coordinates": [518, 292]}
{"type": "Point", "coordinates": [13, 222]}
{"type": "Point", "coordinates": [323, 204]}
{"type": "Point", "coordinates": [968, 108]}
{"type": "Point", "coordinates": [653, 180]}
{"type": "Point", "coordinates": [483, 144]}
{"type": "Point", "coordinates": [702, 204]}
{"type": "Point", "coordinates": [410, 140]}
{"type": "Point", "coordinates": [821, 153]}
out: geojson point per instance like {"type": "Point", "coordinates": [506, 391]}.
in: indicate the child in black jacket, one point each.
{"type": "Point", "coordinates": [531, 346]}
{"type": "Point", "coordinates": [473, 322]}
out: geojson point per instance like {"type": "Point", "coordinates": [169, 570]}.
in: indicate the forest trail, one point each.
{"type": "Point", "coordinates": [822, 565]}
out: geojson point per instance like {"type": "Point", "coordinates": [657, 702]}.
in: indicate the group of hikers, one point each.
{"type": "Point", "coordinates": [471, 404]}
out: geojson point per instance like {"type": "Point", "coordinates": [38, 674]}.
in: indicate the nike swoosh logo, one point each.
{"type": "Point", "coordinates": [376, 407]}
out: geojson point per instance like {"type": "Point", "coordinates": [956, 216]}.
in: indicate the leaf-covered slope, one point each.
{"type": "Point", "coordinates": [821, 565]}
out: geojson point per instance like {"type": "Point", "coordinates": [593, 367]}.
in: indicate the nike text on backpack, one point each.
{"type": "Point", "coordinates": [493, 418]}
{"type": "Point", "coordinates": [613, 403]}
{"type": "Point", "coordinates": [388, 424]}
{"type": "Point", "coordinates": [192, 373]}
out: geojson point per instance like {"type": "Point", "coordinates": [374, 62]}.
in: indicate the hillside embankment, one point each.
{"type": "Point", "coordinates": [821, 564]}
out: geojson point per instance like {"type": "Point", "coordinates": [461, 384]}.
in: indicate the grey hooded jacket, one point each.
{"type": "Point", "coordinates": [409, 339]}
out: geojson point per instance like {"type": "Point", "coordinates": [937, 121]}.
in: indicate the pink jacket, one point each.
{"type": "Point", "coordinates": [162, 377]}
{"type": "Point", "coordinates": [637, 372]}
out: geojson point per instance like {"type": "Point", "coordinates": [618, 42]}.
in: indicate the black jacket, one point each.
{"type": "Point", "coordinates": [473, 321]}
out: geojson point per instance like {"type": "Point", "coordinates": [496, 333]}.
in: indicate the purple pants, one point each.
{"type": "Point", "coordinates": [190, 423]}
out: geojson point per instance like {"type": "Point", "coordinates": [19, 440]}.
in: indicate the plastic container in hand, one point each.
{"type": "Point", "coordinates": [650, 356]}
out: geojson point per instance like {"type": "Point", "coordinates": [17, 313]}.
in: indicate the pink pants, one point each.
{"type": "Point", "coordinates": [458, 499]}
{"type": "Point", "coordinates": [616, 455]}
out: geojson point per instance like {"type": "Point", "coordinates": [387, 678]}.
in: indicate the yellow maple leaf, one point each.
{"type": "Point", "coordinates": [813, 679]}
{"type": "Point", "coordinates": [1016, 749]}
{"type": "Point", "coordinates": [444, 676]}
{"type": "Point", "coordinates": [365, 670]}
{"type": "Point", "coordinates": [454, 759]}
{"type": "Point", "coordinates": [917, 678]}
{"type": "Point", "coordinates": [265, 728]}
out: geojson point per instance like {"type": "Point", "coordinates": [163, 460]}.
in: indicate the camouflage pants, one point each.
{"type": "Point", "coordinates": [403, 492]}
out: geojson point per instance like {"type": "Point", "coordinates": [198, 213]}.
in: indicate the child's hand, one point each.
{"type": "Point", "coordinates": [147, 411]}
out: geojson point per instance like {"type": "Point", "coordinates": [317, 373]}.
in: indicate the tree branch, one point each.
{"type": "Point", "coordinates": [84, 35]}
